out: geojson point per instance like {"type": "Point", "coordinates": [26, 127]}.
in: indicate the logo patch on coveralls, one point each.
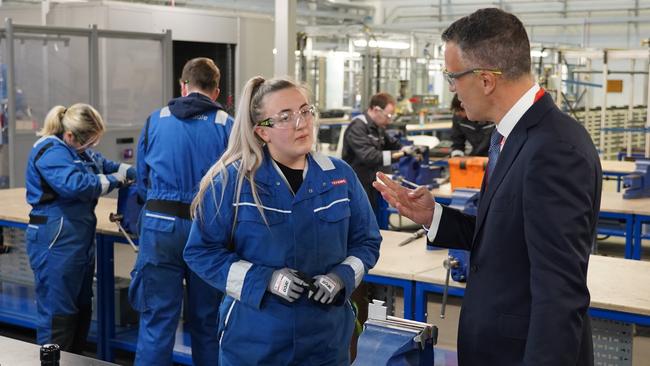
{"type": "Point", "coordinates": [339, 182]}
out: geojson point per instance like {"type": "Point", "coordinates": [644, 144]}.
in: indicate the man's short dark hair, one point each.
{"type": "Point", "coordinates": [492, 38]}
{"type": "Point", "coordinates": [381, 100]}
{"type": "Point", "coordinates": [202, 73]}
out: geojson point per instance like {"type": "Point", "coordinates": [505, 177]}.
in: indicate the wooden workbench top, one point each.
{"type": "Point", "coordinates": [405, 262]}
{"type": "Point", "coordinates": [614, 283]}
{"type": "Point", "coordinates": [14, 207]}
{"type": "Point", "coordinates": [615, 166]}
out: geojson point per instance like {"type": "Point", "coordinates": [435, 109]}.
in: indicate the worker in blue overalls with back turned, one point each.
{"type": "Point", "coordinates": [286, 233]}
{"type": "Point", "coordinates": [177, 146]}
{"type": "Point", "coordinates": [64, 180]}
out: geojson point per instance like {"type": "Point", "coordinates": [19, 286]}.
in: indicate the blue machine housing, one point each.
{"type": "Point", "coordinates": [465, 200]}
{"type": "Point", "coordinates": [637, 184]}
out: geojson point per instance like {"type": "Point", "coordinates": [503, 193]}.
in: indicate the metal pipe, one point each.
{"type": "Point", "coordinates": [81, 32]}
{"type": "Point", "coordinates": [411, 26]}
{"type": "Point", "coordinates": [647, 119]}
{"type": "Point", "coordinates": [168, 67]}
{"type": "Point", "coordinates": [11, 100]}
{"type": "Point", "coordinates": [603, 107]}
{"type": "Point", "coordinates": [630, 112]}
{"type": "Point", "coordinates": [93, 67]}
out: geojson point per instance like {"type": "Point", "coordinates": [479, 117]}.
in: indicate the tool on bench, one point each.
{"type": "Point", "coordinates": [416, 235]}
{"type": "Point", "coordinates": [128, 212]}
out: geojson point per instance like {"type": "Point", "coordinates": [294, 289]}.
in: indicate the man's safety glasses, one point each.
{"type": "Point", "coordinates": [452, 76]}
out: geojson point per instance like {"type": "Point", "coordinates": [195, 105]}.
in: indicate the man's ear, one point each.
{"type": "Point", "coordinates": [184, 91]}
{"type": "Point", "coordinates": [263, 134]}
{"type": "Point", "coordinates": [215, 94]}
{"type": "Point", "coordinates": [489, 81]}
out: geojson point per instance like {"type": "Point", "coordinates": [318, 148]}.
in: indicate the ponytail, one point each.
{"type": "Point", "coordinates": [53, 122]}
{"type": "Point", "coordinates": [81, 119]}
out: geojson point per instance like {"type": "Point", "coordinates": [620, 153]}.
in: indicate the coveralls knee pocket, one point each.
{"type": "Point", "coordinates": [39, 238]}
{"type": "Point", "coordinates": [59, 251]}
{"type": "Point", "coordinates": [155, 239]}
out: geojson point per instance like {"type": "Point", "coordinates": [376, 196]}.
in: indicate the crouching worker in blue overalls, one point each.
{"type": "Point", "coordinates": [178, 145]}
{"type": "Point", "coordinates": [286, 233]}
{"type": "Point", "coordinates": [64, 180]}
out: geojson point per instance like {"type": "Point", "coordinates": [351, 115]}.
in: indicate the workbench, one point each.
{"type": "Point", "coordinates": [14, 309]}
{"type": "Point", "coordinates": [619, 287]}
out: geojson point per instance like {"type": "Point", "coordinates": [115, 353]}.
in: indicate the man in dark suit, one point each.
{"type": "Point", "coordinates": [526, 299]}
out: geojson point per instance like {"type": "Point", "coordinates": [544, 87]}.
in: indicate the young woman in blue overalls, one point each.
{"type": "Point", "coordinates": [64, 180]}
{"type": "Point", "coordinates": [287, 234]}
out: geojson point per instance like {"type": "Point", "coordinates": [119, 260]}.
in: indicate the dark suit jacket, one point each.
{"type": "Point", "coordinates": [526, 299]}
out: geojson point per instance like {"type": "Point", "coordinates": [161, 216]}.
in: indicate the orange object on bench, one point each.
{"type": "Point", "coordinates": [467, 171]}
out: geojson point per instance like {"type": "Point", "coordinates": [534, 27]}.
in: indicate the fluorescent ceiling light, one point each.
{"type": "Point", "coordinates": [395, 45]}
{"type": "Point", "coordinates": [537, 53]}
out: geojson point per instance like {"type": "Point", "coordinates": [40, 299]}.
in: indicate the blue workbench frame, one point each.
{"type": "Point", "coordinates": [406, 285]}
{"type": "Point", "coordinates": [619, 178]}
{"type": "Point", "coordinates": [639, 221]}
{"type": "Point", "coordinates": [628, 233]}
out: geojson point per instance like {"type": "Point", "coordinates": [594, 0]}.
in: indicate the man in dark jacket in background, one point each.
{"type": "Point", "coordinates": [463, 130]}
{"type": "Point", "coordinates": [366, 145]}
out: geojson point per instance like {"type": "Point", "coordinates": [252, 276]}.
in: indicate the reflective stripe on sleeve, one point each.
{"type": "Point", "coordinates": [236, 276]}
{"type": "Point", "coordinates": [357, 266]}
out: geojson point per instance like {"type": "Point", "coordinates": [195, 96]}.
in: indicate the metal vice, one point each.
{"type": "Point", "coordinates": [637, 184]}
{"type": "Point", "coordinates": [391, 341]}
{"type": "Point", "coordinates": [417, 170]}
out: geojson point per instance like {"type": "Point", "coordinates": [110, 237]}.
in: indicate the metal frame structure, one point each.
{"type": "Point", "coordinates": [607, 55]}
{"type": "Point", "coordinates": [93, 34]}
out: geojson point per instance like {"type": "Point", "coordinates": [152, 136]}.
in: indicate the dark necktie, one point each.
{"type": "Point", "coordinates": [493, 152]}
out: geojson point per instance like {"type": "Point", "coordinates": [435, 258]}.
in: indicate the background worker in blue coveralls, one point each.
{"type": "Point", "coordinates": [271, 218]}
{"type": "Point", "coordinates": [464, 130]}
{"type": "Point", "coordinates": [64, 180]}
{"type": "Point", "coordinates": [178, 145]}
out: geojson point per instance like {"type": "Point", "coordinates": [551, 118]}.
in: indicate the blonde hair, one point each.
{"type": "Point", "coordinates": [82, 120]}
{"type": "Point", "coordinates": [245, 148]}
